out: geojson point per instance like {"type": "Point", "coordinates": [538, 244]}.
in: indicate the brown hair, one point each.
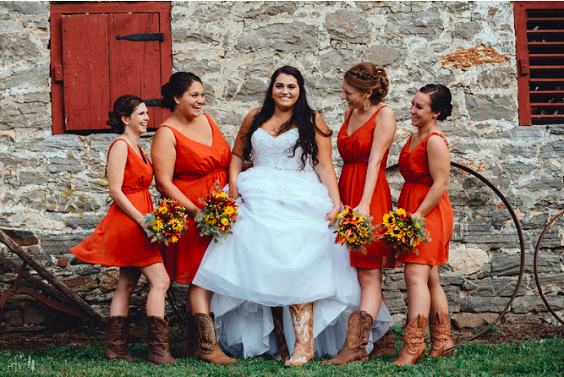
{"type": "Point", "coordinates": [123, 106]}
{"type": "Point", "coordinates": [366, 76]}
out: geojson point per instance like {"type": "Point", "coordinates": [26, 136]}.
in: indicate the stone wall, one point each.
{"type": "Point", "coordinates": [53, 191]}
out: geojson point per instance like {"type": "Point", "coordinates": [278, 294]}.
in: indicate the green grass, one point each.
{"type": "Point", "coordinates": [538, 358]}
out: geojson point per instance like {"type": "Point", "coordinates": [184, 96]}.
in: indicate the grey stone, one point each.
{"type": "Point", "coordinates": [504, 287]}
{"type": "Point", "coordinates": [395, 302]}
{"type": "Point", "coordinates": [466, 30]}
{"type": "Point", "coordinates": [394, 282]}
{"type": "Point", "coordinates": [382, 55]}
{"type": "Point", "coordinates": [86, 222]}
{"type": "Point", "coordinates": [80, 284]}
{"type": "Point", "coordinates": [273, 8]}
{"type": "Point", "coordinates": [495, 78]}
{"type": "Point", "coordinates": [476, 304]}
{"type": "Point", "coordinates": [348, 26]}
{"type": "Point", "coordinates": [527, 304]}
{"type": "Point", "coordinates": [59, 244]}
{"type": "Point", "coordinates": [57, 164]}
{"type": "Point", "coordinates": [290, 38]}
{"type": "Point", "coordinates": [483, 107]}
{"type": "Point", "coordinates": [555, 129]}
{"type": "Point", "coordinates": [507, 264]}
{"type": "Point", "coordinates": [32, 316]}
{"type": "Point", "coordinates": [473, 321]}
{"type": "Point", "coordinates": [426, 24]}
{"type": "Point", "coordinates": [109, 280]}
{"type": "Point", "coordinates": [552, 150]}
{"type": "Point", "coordinates": [13, 318]}
{"type": "Point", "coordinates": [453, 297]}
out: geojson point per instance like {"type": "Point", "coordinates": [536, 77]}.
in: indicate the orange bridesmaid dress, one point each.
{"type": "Point", "coordinates": [439, 222]}
{"type": "Point", "coordinates": [118, 240]}
{"type": "Point", "coordinates": [355, 151]}
{"type": "Point", "coordinates": [197, 169]}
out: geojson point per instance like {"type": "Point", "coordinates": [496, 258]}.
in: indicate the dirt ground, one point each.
{"type": "Point", "coordinates": [82, 334]}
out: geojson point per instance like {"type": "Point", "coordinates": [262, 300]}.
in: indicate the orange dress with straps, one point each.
{"type": "Point", "coordinates": [414, 168]}
{"type": "Point", "coordinates": [355, 151]}
{"type": "Point", "coordinates": [118, 240]}
{"type": "Point", "coordinates": [197, 169]}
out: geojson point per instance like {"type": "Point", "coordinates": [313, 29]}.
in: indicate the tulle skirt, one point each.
{"type": "Point", "coordinates": [281, 253]}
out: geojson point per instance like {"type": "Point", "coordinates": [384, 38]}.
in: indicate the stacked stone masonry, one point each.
{"type": "Point", "coordinates": [53, 191]}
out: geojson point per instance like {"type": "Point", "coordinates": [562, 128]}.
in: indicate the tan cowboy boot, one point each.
{"type": "Point", "coordinates": [358, 332]}
{"type": "Point", "coordinates": [157, 338]}
{"type": "Point", "coordinates": [440, 336]}
{"type": "Point", "coordinates": [413, 348]}
{"type": "Point", "coordinates": [283, 353]}
{"type": "Point", "coordinates": [117, 338]}
{"type": "Point", "coordinates": [384, 346]}
{"type": "Point", "coordinates": [302, 319]}
{"type": "Point", "coordinates": [208, 349]}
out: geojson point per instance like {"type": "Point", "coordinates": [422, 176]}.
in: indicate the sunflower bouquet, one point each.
{"type": "Point", "coordinates": [354, 230]}
{"type": "Point", "coordinates": [218, 215]}
{"type": "Point", "coordinates": [403, 231]}
{"type": "Point", "coordinates": [167, 222]}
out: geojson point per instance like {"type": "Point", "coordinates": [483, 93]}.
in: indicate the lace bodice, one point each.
{"type": "Point", "coordinates": [276, 152]}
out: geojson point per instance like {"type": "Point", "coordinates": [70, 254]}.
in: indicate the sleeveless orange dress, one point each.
{"type": "Point", "coordinates": [118, 240]}
{"type": "Point", "coordinates": [355, 151]}
{"type": "Point", "coordinates": [414, 168]}
{"type": "Point", "coordinates": [196, 170]}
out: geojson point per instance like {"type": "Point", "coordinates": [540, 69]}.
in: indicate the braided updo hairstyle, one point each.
{"type": "Point", "coordinates": [123, 106]}
{"type": "Point", "coordinates": [176, 86]}
{"type": "Point", "coordinates": [441, 99]}
{"type": "Point", "coordinates": [366, 76]}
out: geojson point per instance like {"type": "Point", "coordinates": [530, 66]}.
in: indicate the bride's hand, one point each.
{"type": "Point", "coordinates": [332, 216]}
{"type": "Point", "coordinates": [233, 192]}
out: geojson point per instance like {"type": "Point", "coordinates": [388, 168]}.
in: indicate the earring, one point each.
{"type": "Point", "coordinates": [366, 105]}
{"type": "Point", "coordinates": [126, 128]}
{"type": "Point", "coordinates": [178, 102]}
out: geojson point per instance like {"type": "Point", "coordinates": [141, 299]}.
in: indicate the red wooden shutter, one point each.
{"type": "Point", "coordinates": [135, 65]}
{"type": "Point", "coordinates": [539, 28]}
{"type": "Point", "coordinates": [86, 71]}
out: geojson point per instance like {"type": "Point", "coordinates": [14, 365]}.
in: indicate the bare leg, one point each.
{"type": "Point", "coordinates": [128, 278]}
{"type": "Point", "coordinates": [418, 295]}
{"type": "Point", "coordinates": [439, 303]}
{"type": "Point", "coordinates": [199, 299]}
{"type": "Point", "coordinates": [370, 290]}
{"type": "Point", "coordinates": [159, 282]}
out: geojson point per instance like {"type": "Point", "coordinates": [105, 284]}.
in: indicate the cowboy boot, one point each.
{"type": "Point", "coordinates": [413, 348]}
{"type": "Point", "coordinates": [358, 332]}
{"type": "Point", "coordinates": [117, 338]}
{"type": "Point", "coordinates": [157, 339]}
{"type": "Point", "coordinates": [283, 353]}
{"type": "Point", "coordinates": [302, 319]}
{"type": "Point", "coordinates": [190, 343]}
{"type": "Point", "coordinates": [384, 346]}
{"type": "Point", "coordinates": [208, 349]}
{"type": "Point", "coordinates": [440, 336]}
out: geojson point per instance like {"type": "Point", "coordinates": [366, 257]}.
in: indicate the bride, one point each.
{"type": "Point", "coordinates": [281, 252]}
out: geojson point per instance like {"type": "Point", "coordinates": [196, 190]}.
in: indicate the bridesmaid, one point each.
{"type": "Point", "coordinates": [364, 142]}
{"type": "Point", "coordinates": [424, 163]}
{"type": "Point", "coordinates": [190, 157]}
{"type": "Point", "coordinates": [119, 239]}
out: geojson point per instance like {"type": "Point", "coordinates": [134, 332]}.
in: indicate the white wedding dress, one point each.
{"type": "Point", "coordinates": [281, 252]}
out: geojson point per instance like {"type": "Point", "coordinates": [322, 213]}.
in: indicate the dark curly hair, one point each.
{"type": "Point", "coordinates": [123, 106]}
{"type": "Point", "coordinates": [303, 117]}
{"type": "Point", "coordinates": [175, 87]}
{"type": "Point", "coordinates": [441, 99]}
{"type": "Point", "coordinates": [366, 76]}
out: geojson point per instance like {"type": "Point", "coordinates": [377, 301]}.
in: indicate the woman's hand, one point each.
{"type": "Point", "coordinates": [143, 224]}
{"type": "Point", "coordinates": [363, 209]}
{"type": "Point", "coordinates": [233, 191]}
{"type": "Point", "coordinates": [332, 216]}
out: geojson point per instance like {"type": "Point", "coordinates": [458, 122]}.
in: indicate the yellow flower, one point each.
{"type": "Point", "coordinates": [229, 210]}
{"type": "Point", "coordinates": [162, 210]}
{"type": "Point", "coordinates": [389, 219]}
{"type": "Point", "coordinates": [210, 219]}
{"type": "Point", "coordinates": [395, 232]}
{"type": "Point", "coordinates": [400, 211]}
{"type": "Point", "coordinates": [174, 239]}
{"type": "Point", "coordinates": [221, 195]}
{"type": "Point", "coordinates": [157, 225]}
{"type": "Point", "coordinates": [224, 222]}
{"type": "Point", "coordinates": [417, 226]}
{"type": "Point", "coordinates": [416, 242]}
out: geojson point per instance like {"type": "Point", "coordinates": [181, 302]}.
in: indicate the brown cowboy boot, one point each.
{"type": "Point", "coordinates": [384, 346]}
{"type": "Point", "coordinates": [302, 319]}
{"type": "Point", "coordinates": [157, 339]}
{"type": "Point", "coordinates": [440, 336]}
{"type": "Point", "coordinates": [358, 332]}
{"type": "Point", "coordinates": [283, 353]}
{"type": "Point", "coordinates": [117, 338]}
{"type": "Point", "coordinates": [190, 343]}
{"type": "Point", "coordinates": [208, 349]}
{"type": "Point", "coordinates": [413, 348]}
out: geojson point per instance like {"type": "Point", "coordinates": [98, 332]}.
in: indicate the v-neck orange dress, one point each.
{"type": "Point", "coordinates": [118, 240]}
{"type": "Point", "coordinates": [197, 169]}
{"type": "Point", "coordinates": [355, 151]}
{"type": "Point", "coordinates": [414, 167]}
